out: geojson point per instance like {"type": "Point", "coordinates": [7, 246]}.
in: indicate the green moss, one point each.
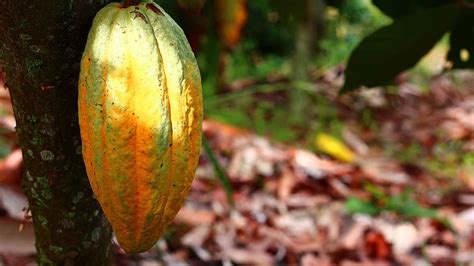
{"type": "Point", "coordinates": [46, 193]}
{"type": "Point", "coordinates": [77, 197]}
{"type": "Point", "coordinates": [37, 141]}
{"type": "Point", "coordinates": [56, 249]}
{"type": "Point", "coordinates": [67, 223]}
{"type": "Point", "coordinates": [86, 244]}
{"type": "Point", "coordinates": [95, 235]}
{"type": "Point", "coordinates": [47, 155]}
{"type": "Point", "coordinates": [32, 119]}
{"type": "Point", "coordinates": [43, 258]}
{"type": "Point", "coordinates": [42, 220]}
{"type": "Point", "coordinates": [40, 189]}
{"type": "Point", "coordinates": [32, 64]}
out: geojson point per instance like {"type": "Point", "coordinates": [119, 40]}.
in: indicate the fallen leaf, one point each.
{"type": "Point", "coordinates": [13, 201]}
{"type": "Point", "coordinates": [19, 242]}
{"type": "Point", "coordinates": [197, 236]}
{"type": "Point", "coordinates": [194, 217]}
{"type": "Point", "coordinates": [248, 257]}
{"type": "Point", "coordinates": [334, 147]}
{"type": "Point", "coordinates": [375, 245]}
{"type": "Point", "coordinates": [11, 169]}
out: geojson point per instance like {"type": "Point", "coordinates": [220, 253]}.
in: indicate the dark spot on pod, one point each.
{"type": "Point", "coordinates": [154, 9]}
{"type": "Point", "coordinates": [139, 15]}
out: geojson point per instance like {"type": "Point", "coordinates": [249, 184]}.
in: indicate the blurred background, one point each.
{"type": "Point", "coordinates": [294, 172]}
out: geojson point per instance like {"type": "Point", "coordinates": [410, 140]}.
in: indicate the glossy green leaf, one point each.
{"type": "Point", "coordinates": [381, 56]}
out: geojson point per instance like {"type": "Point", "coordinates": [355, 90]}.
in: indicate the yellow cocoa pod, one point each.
{"type": "Point", "coordinates": [140, 115]}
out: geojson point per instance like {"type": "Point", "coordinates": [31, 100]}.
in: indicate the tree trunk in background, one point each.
{"type": "Point", "coordinates": [41, 45]}
{"type": "Point", "coordinates": [305, 44]}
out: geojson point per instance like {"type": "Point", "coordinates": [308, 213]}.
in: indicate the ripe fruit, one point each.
{"type": "Point", "coordinates": [140, 114]}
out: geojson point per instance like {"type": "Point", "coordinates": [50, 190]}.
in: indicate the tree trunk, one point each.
{"type": "Point", "coordinates": [305, 40]}
{"type": "Point", "coordinates": [41, 45]}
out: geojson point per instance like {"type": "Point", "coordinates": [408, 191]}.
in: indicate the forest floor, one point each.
{"type": "Point", "coordinates": [405, 198]}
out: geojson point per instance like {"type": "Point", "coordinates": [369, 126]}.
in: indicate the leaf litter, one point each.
{"type": "Point", "coordinates": [406, 198]}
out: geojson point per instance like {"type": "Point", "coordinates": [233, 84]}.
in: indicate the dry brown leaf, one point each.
{"type": "Point", "coordinates": [197, 236]}
{"type": "Point", "coordinates": [311, 260]}
{"type": "Point", "coordinates": [355, 142]}
{"type": "Point", "coordinates": [376, 246]}
{"type": "Point", "coordinates": [385, 171]}
{"type": "Point", "coordinates": [305, 200]}
{"type": "Point", "coordinates": [195, 217]}
{"type": "Point", "coordinates": [11, 169]}
{"type": "Point", "coordinates": [13, 201]}
{"type": "Point", "coordinates": [297, 223]}
{"type": "Point", "coordinates": [2, 77]}
{"type": "Point", "coordinates": [365, 263]}
{"type": "Point", "coordinates": [404, 238]}
{"type": "Point", "coordinates": [437, 252]}
{"type": "Point", "coordinates": [8, 123]}
{"type": "Point", "coordinates": [352, 237]}
{"type": "Point", "coordinates": [306, 163]}
{"type": "Point", "coordinates": [286, 184]}
{"type": "Point", "coordinates": [14, 241]}
{"type": "Point", "coordinates": [249, 257]}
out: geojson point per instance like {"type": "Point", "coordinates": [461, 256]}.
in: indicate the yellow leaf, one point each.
{"type": "Point", "coordinates": [334, 147]}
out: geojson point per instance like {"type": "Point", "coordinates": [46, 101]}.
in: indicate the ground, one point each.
{"type": "Point", "coordinates": [406, 196]}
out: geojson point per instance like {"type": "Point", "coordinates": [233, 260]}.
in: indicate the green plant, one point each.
{"type": "Point", "coordinates": [417, 27]}
{"type": "Point", "coordinates": [403, 204]}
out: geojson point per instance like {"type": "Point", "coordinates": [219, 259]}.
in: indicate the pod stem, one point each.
{"type": "Point", "coordinates": [127, 3]}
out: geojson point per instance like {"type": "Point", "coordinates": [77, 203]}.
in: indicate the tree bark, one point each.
{"type": "Point", "coordinates": [42, 42]}
{"type": "Point", "coordinates": [305, 44]}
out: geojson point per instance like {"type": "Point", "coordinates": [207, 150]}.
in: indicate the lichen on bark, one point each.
{"type": "Point", "coordinates": [42, 42]}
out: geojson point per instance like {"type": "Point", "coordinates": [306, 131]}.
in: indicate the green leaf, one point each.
{"type": "Point", "coordinates": [381, 56]}
{"type": "Point", "coordinates": [193, 6]}
{"type": "Point", "coordinates": [355, 205]}
{"type": "Point", "coordinates": [221, 175]}
{"type": "Point", "coordinates": [412, 209]}
{"type": "Point", "coordinates": [397, 9]}
{"type": "Point", "coordinates": [461, 52]}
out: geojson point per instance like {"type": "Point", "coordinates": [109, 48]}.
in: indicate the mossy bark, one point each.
{"type": "Point", "coordinates": [42, 42]}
